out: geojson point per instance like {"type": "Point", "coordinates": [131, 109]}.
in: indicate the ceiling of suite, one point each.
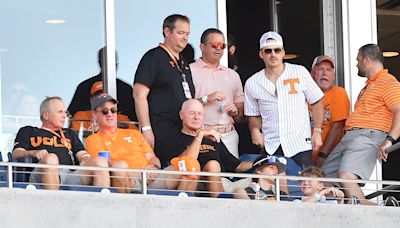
{"type": "Point", "coordinates": [388, 12]}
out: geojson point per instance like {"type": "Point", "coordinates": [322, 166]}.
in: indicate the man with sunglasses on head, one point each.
{"type": "Point", "coordinates": [219, 88]}
{"type": "Point", "coordinates": [163, 81]}
{"type": "Point", "coordinates": [276, 102]}
{"type": "Point", "coordinates": [52, 144]}
{"type": "Point", "coordinates": [129, 149]}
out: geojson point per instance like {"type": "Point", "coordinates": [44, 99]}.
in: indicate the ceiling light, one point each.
{"type": "Point", "coordinates": [290, 56]}
{"type": "Point", "coordinates": [55, 21]}
{"type": "Point", "coordinates": [389, 54]}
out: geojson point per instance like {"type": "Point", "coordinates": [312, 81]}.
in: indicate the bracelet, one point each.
{"type": "Point", "coordinates": [390, 139]}
{"type": "Point", "coordinates": [323, 155]}
{"type": "Point", "coordinates": [146, 128]}
{"type": "Point", "coordinates": [204, 99]}
{"type": "Point", "coordinates": [318, 129]}
{"type": "Point", "coordinates": [197, 139]}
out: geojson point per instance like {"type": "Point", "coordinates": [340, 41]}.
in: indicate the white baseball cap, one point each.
{"type": "Point", "coordinates": [277, 39]}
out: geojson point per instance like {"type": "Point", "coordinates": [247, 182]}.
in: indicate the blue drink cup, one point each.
{"type": "Point", "coordinates": [105, 154]}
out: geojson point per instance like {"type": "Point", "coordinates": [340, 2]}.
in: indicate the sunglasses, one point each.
{"type": "Point", "coordinates": [268, 160]}
{"type": "Point", "coordinates": [269, 50]}
{"type": "Point", "coordinates": [216, 45]}
{"type": "Point", "coordinates": [105, 111]}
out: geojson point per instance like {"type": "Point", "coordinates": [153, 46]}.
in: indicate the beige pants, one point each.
{"type": "Point", "coordinates": [231, 141]}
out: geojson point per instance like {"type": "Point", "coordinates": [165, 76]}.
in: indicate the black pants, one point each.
{"type": "Point", "coordinates": [303, 159]}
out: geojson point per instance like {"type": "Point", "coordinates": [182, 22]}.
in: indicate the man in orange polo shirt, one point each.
{"type": "Point", "coordinates": [371, 128]}
{"type": "Point", "coordinates": [336, 107]}
{"type": "Point", "coordinates": [129, 149]}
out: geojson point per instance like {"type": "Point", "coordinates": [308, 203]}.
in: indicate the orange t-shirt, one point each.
{"type": "Point", "coordinates": [127, 144]}
{"type": "Point", "coordinates": [336, 108]}
{"type": "Point", "coordinates": [372, 109]}
{"type": "Point", "coordinates": [87, 115]}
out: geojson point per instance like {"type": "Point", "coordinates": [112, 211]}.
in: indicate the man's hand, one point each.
{"type": "Point", "coordinates": [212, 135]}
{"type": "Point", "coordinates": [231, 109]}
{"type": "Point", "coordinates": [382, 155]}
{"type": "Point", "coordinates": [40, 154]}
{"type": "Point", "coordinates": [216, 96]}
{"type": "Point", "coordinates": [149, 136]}
{"type": "Point", "coordinates": [319, 162]}
{"type": "Point", "coordinates": [316, 141]}
{"type": "Point", "coordinates": [257, 138]}
{"type": "Point", "coordinates": [151, 176]}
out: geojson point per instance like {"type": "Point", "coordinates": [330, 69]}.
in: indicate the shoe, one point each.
{"type": "Point", "coordinates": [391, 202]}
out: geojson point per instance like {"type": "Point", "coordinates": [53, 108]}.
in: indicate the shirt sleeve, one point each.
{"type": "Point", "coordinates": [22, 138]}
{"type": "Point", "coordinates": [93, 145]}
{"type": "Point", "coordinates": [146, 71]}
{"type": "Point", "coordinates": [250, 102]}
{"type": "Point", "coordinates": [238, 95]}
{"type": "Point", "coordinates": [391, 93]}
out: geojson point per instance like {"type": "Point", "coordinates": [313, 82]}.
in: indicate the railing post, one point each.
{"type": "Point", "coordinates": [277, 190]}
{"type": "Point", "coordinates": [9, 176]}
{"type": "Point", "coordinates": [144, 183]}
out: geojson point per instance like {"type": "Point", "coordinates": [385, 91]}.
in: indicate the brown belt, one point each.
{"type": "Point", "coordinates": [220, 128]}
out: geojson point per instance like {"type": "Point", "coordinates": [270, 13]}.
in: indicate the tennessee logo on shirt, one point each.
{"type": "Point", "coordinates": [128, 139]}
{"type": "Point", "coordinates": [38, 140]}
{"type": "Point", "coordinates": [206, 148]}
{"type": "Point", "coordinates": [292, 83]}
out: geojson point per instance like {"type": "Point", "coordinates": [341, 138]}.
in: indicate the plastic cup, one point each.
{"type": "Point", "coordinates": [105, 154]}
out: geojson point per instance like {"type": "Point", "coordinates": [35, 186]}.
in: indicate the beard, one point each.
{"type": "Point", "coordinates": [361, 73]}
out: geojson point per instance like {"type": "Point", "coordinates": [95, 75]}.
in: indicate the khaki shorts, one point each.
{"type": "Point", "coordinates": [67, 177]}
{"type": "Point", "coordinates": [356, 153]}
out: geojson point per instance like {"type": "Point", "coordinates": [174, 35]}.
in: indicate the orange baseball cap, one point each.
{"type": "Point", "coordinates": [186, 164]}
{"type": "Point", "coordinates": [97, 86]}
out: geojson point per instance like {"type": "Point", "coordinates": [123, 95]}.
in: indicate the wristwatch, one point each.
{"type": "Point", "coordinates": [323, 155]}
{"type": "Point", "coordinates": [390, 139]}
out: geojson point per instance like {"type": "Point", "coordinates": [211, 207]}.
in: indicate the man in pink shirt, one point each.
{"type": "Point", "coordinates": [219, 89]}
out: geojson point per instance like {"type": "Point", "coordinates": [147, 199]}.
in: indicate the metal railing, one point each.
{"type": "Point", "coordinates": [9, 170]}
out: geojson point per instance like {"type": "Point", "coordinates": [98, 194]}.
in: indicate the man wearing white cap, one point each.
{"type": "Point", "coordinates": [276, 102]}
{"type": "Point", "coordinates": [336, 106]}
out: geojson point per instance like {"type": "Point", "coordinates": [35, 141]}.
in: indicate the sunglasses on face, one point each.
{"type": "Point", "coordinates": [105, 111]}
{"type": "Point", "coordinates": [216, 45]}
{"type": "Point", "coordinates": [269, 50]}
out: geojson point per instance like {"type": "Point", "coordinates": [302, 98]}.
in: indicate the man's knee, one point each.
{"type": "Point", "coordinates": [348, 175]}
{"type": "Point", "coordinates": [50, 159]}
{"type": "Point", "coordinates": [212, 166]}
{"type": "Point", "coordinates": [99, 162]}
{"type": "Point", "coordinates": [120, 164]}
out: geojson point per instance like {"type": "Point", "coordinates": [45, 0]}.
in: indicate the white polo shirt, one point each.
{"type": "Point", "coordinates": [285, 117]}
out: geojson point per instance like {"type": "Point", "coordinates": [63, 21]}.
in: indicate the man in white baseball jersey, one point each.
{"type": "Point", "coordinates": [276, 102]}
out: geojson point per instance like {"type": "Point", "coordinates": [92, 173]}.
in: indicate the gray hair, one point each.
{"type": "Point", "coordinates": [45, 105]}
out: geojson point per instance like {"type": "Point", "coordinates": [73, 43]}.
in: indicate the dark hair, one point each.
{"type": "Point", "coordinates": [169, 22]}
{"type": "Point", "coordinates": [101, 57]}
{"type": "Point", "coordinates": [373, 52]}
{"type": "Point", "coordinates": [204, 36]}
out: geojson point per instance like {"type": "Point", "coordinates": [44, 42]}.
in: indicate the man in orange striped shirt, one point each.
{"type": "Point", "coordinates": [371, 128]}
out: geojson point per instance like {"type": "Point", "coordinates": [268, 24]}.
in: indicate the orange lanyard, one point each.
{"type": "Point", "coordinates": [63, 141]}
{"type": "Point", "coordinates": [175, 61]}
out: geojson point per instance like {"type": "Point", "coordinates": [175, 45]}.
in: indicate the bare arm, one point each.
{"type": "Point", "coordinates": [318, 114]}
{"type": "Point", "coordinates": [193, 149]}
{"type": "Point", "coordinates": [255, 124]}
{"type": "Point", "coordinates": [21, 153]}
{"type": "Point", "coordinates": [240, 117]}
{"type": "Point", "coordinates": [394, 132]}
{"type": "Point", "coordinates": [140, 94]}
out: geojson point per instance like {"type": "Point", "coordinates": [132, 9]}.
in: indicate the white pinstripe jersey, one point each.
{"type": "Point", "coordinates": [285, 117]}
